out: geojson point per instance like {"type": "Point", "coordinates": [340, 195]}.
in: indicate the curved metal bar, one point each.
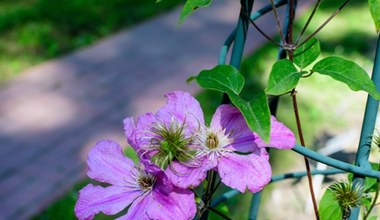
{"type": "Point", "coordinates": [230, 39]}
{"type": "Point", "coordinates": [336, 163]}
{"type": "Point", "coordinates": [229, 194]}
{"type": "Point", "coordinates": [255, 205]}
{"type": "Point", "coordinates": [223, 53]}
{"type": "Point", "coordinates": [304, 173]}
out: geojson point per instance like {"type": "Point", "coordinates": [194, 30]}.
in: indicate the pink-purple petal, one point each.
{"type": "Point", "coordinates": [183, 107]}
{"type": "Point", "coordinates": [129, 128]}
{"type": "Point", "coordinates": [140, 136]}
{"type": "Point", "coordinates": [184, 176]}
{"type": "Point", "coordinates": [138, 209]}
{"type": "Point", "coordinates": [281, 137]}
{"type": "Point", "coordinates": [177, 204]}
{"type": "Point", "coordinates": [107, 163]}
{"type": "Point", "coordinates": [243, 172]}
{"type": "Point", "coordinates": [109, 200]}
{"type": "Point", "coordinates": [229, 118]}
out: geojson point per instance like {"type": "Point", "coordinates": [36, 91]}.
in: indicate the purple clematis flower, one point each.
{"type": "Point", "coordinates": [177, 140]}
{"type": "Point", "coordinates": [166, 139]}
{"type": "Point", "coordinates": [237, 153]}
{"type": "Point", "coordinates": [148, 195]}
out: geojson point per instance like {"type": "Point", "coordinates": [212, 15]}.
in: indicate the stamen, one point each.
{"type": "Point", "coordinates": [212, 143]}
{"type": "Point", "coordinates": [146, 181]}
{"type": "Point", "coordinates": [168, 143]}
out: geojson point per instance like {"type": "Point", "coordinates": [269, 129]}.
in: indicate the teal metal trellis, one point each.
{"type": "Point", "coordinates": [362, 167]}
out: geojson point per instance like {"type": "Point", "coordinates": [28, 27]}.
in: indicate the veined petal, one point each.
{"type": "Point", "coordinates": [142, 135]}
{"type": "Point", "coordinates": [230, 119]}
{"type": "Point", "coordinates": [129, 129]}
{"type": "Point", "coordinates": [244, 171]}
{"type": "Point", "coordinates": [185, 177]}
{"type": "Point", "coordinates": [184, 107]}
{"type": "Point", "coordinates": [109, 200]}
{"type": "Point", "coordinates": [281, 137]}
{"type": "Point", "coordinates": [138, 209]}
{"type": "Point", "coordinates": [172, 205]}
{"type": "Point", "coordinates": [107, 163]}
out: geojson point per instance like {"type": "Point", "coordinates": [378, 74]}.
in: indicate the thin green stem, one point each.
{"type": "Point", "coordinates": [308, 22]}
{"type": "Point", "coordinates": [277, 18]}
{"type": "Point", "coordinates": [289, 41]}
{"type": "Point", "coordinates": [216, 187]}
{"type": "Point", "coordinates": [219, 213]}
{"type": "Point", "coordinates": [207, 195]}
{"type": "Point", "coordinates": [375, 198]}
{"type": "Point", "coordinates": [307, 164]}
{"type": "Point", "coordinates": [324, 23]}
{"type": "Point", "coordinates": [289, 37]}
{"type": "Point", "coordinates": [261, 31]}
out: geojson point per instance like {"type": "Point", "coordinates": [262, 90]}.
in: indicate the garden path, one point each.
{"type": "Point", "coordinates": [54, 112]}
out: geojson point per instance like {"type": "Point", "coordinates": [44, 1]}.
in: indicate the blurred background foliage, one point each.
{"type": "Point", "coordinates": [32, 31]}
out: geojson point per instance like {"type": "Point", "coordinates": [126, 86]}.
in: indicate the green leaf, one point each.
{"type": "Point", "coordinates": [374, 217]}
{"type": "Point", "coordinates": [283, 78]}
{"type": "Point", "coordinates": [307, 53]}
{"type": "Point", "coordinates": [370, 184]}
{"type": "Point", "coordinates": [366, 202]}
{"type": "Point", "coordinates": [328, 207]}
{"type": "Point", "coordinates": [347, 72]}
{"type": "Point", "coordinates": [256, 113]}
{"type": "Point", "coordinates": [190, 7]}
{"type": "Point", "coordinates": [223, 78]}
{"type": "Point", "coordinates": [374, 6]}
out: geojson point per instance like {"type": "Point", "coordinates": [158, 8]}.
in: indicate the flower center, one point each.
{"type": "Point", "coordinates": [212, 141]}
{"type": "Point", "coordinates": [171, 144]}
{"type": "Point", "coordinates": [146, 181]}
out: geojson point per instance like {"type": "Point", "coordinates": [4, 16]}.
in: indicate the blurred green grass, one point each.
{"type": "Point", "coordinates": [32, 31]}
{"type": "Point", "coordinates": [345, 36]}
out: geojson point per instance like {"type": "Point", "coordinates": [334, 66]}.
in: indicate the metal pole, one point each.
{"type": "Point", "coordinates": [368, 127]}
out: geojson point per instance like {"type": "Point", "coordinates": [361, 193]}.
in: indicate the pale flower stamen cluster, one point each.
{"type": "Point", "coordinates": [212, 143]}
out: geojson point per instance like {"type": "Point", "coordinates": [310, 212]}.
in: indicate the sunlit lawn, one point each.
{"type": "Point", "coordinates": [32, 31]}
{"type": "Point", "coordinates": [346, 36]}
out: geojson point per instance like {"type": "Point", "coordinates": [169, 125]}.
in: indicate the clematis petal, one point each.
{"type": "Point", "coordinates": [109, 200]}
{"type": "Point", "coordinates": [173, 204]}
{"type": "Point", "coordinates": [262, 152]}
{"type": "Point", "coordinates": [107, 163]}
{"type": "Point", "coordinates": [244, 171]}
{"type": "Point", "coordinates": [185, 177]}
{"type": "Point", "coordinates": [129, 129]}
{"type": "Point", "coordinates": [281, 137]}
{"type": "Point", "coordinates": [138, 209]}
{"type": "Point", "coordinates": [138, 133]}
{"type": "Point", "coordinates": [229, 118]}
{"type": "Point", "coordinates": [184, 107]}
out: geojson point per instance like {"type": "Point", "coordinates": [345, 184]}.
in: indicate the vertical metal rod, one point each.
{"type": "Point", "coordinates": [254, 17]}
{"type": "Point", "coordinates": [367, 127]}
{"type": "Point", "coordinates": [241, 33]}
{"type": "Point", "coordinates": [240, 37]}
{"type": "Point", "coordinates": [255, 204]}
